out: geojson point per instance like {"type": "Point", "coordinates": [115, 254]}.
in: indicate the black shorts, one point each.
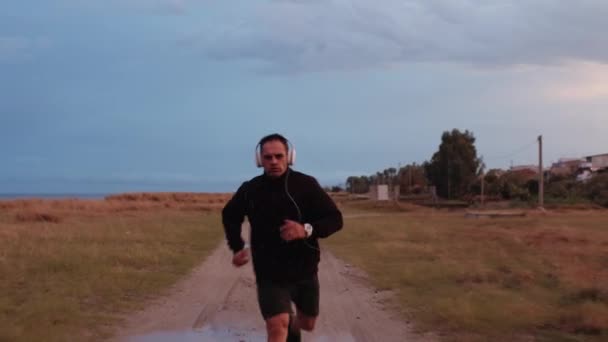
{"type": "Point", "coordinates": [275, 298]}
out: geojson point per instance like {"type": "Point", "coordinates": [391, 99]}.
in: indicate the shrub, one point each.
{"type": "Point", "coordinates": [596, 189]}
{"type": "Point", "coordinates": [33, 216]}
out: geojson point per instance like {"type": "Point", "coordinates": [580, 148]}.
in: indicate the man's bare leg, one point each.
{"type": "Point", "coordinates": [304, 322]}
{"type": "Point", "coordinates": [276, 327]}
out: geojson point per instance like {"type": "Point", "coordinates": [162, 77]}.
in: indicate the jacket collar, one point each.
{"type": "Point", "coordinates": [274, 180]}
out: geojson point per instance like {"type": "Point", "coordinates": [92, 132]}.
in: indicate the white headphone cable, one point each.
{"type": "Point", "coordinates": [297, 208]}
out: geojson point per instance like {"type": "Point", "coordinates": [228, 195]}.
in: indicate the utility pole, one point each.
{"type": "Point", "coordinates": [482, 187]}
{"type": "Point", "coordinates": [448, 179]}
{"type": "Point", "coordinates": [410, 177]}
{"type": "Point", "coordinates": [397, 191]}
{"type": "Point", "coordinates": [541, 181]}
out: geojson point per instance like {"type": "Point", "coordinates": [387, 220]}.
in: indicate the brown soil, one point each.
{"type": "Point", "coordinates": [217, 302]}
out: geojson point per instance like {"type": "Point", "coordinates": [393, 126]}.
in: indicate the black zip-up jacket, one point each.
{"type": "Point", "coordinates": [267, 202]}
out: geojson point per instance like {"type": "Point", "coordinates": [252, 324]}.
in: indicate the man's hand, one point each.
{"type": "Point", "coordinates": [241, 257]}
{"type": "Point", "coordinates": [292, 230]}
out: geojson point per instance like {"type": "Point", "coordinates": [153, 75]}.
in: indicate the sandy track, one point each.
{"type": "Point", "coordinates": [217, 302]}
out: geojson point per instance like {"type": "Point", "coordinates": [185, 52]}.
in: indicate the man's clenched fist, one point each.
{"type": "Point", "coordinates": [241, 257]}
{"type": "Point", "coordinates": [292, 230]}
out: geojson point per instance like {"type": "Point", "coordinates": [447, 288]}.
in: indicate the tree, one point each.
{"type": "Point", "coordinates": [351, 183]}
{"type": "Point", "coordinates": [514, 186]}
{"type": "Point", "coordinates": [493, 183]}
{"type": "Point", "coordinates": [380, 179]}
{"type": "Point", "coordinates": [412, 179]}
{"type": "Point", "coordinates": [357, 185]}
{"type": "Point", "coordinates": [390, 174]}
{"type": "Point", "coordinates": [455, 166]}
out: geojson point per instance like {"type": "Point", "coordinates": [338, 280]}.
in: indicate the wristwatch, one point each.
{"type": "Point", "coordinates": [308, 229]}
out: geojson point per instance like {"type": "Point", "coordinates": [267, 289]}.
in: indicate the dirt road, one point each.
{"type": "Point", "coordinates": [217, 302]}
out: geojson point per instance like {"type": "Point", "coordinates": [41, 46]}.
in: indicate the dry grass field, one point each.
{"type": "Point", "coordinates": [542, 277]}
{"type": "Point", "coordinates": [70, 268]}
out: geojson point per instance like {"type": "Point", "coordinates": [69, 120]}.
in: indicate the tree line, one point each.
{"type": "Point", "coordinates": [451, 170]}
{"type": "Point", "coordinates": [455, 171]}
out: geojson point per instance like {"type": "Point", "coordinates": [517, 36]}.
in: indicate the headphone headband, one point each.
{"type": "Point", "coordinates": [291, 151]}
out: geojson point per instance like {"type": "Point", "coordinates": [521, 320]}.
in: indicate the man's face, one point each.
{"type": "Point", "coordinates": [274, 158]}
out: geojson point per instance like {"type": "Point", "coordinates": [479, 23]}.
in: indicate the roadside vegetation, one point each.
{"type": "Point", "coordinates": [540, 277]}
{"type": "Point", "coordinates": [70, 269]}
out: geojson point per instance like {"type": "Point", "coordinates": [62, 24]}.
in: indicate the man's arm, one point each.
{"type": "Point", "coordinates": [233, 216]}
{"type": "Point", "coordinates": [324, 216]}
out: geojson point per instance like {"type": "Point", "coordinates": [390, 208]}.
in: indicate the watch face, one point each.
{"type": "Point", "coordinates": [308, 228]}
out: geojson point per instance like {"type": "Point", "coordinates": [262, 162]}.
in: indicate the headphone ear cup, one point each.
{"type": "Point", "coordinates": [258, 158]}
{"type": "Point", "coordinates": [292, 156]}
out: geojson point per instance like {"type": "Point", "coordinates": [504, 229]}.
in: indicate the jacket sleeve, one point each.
{"type": "Point", "coordinates": [325, 217]}
{"type": "Point", "coordinates": [233, 216]}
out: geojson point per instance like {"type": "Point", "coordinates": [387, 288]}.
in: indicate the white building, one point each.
{"type": "Point", "coordinates": [598, 161]}
{"type": "Point", "coordinates": [379, 192]}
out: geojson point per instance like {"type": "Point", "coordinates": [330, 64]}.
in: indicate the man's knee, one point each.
{"type": "Point", "coordinates": [306, 323]}
{"type": "Point", "coordinates": [277, 323]}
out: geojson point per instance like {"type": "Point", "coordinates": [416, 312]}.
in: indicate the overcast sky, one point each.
{"type": "Point", "coordinates": [173, 95]}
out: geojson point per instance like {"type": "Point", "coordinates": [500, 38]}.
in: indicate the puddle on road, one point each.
{"type": "Point", "coordinates": [226, 335]}
{"type": "Point", "coordinates": [206, 334]}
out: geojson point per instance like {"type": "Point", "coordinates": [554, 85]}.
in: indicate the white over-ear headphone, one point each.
{"type": "Point", "coordinates": [291, 154]}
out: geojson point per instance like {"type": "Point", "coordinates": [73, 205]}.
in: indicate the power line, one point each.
{"type": "Point", "coordinates": [516, 151]}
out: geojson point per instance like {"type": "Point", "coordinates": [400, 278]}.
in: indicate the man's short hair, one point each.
{"type": "Point", "coordinates": [274, 137]}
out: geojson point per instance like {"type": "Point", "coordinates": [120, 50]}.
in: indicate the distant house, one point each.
{"type": "Point", "coordinates": [584, 174]}
{"type": "Point", "coordinates": [592, 165]}
{"type": "Point", "coordinates": [526, 172]}
{"type": "Point", "coordinates": [598, 161]}
{"type": "Point", "coordinates": [526, 169]}
{"type": "Point", "coordinates": [566, 166]}
{"type": "Point", "coordinates": [496, 172]}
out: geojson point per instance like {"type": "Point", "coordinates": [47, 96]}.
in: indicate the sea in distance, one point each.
{"type": "Point", "coordinates": [12, 196]}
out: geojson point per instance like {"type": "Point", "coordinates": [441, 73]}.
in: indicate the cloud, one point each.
{"type": "Point", "coordinates": [345, 34]}
{"type": "Point", "coordinates": [579, 82]}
